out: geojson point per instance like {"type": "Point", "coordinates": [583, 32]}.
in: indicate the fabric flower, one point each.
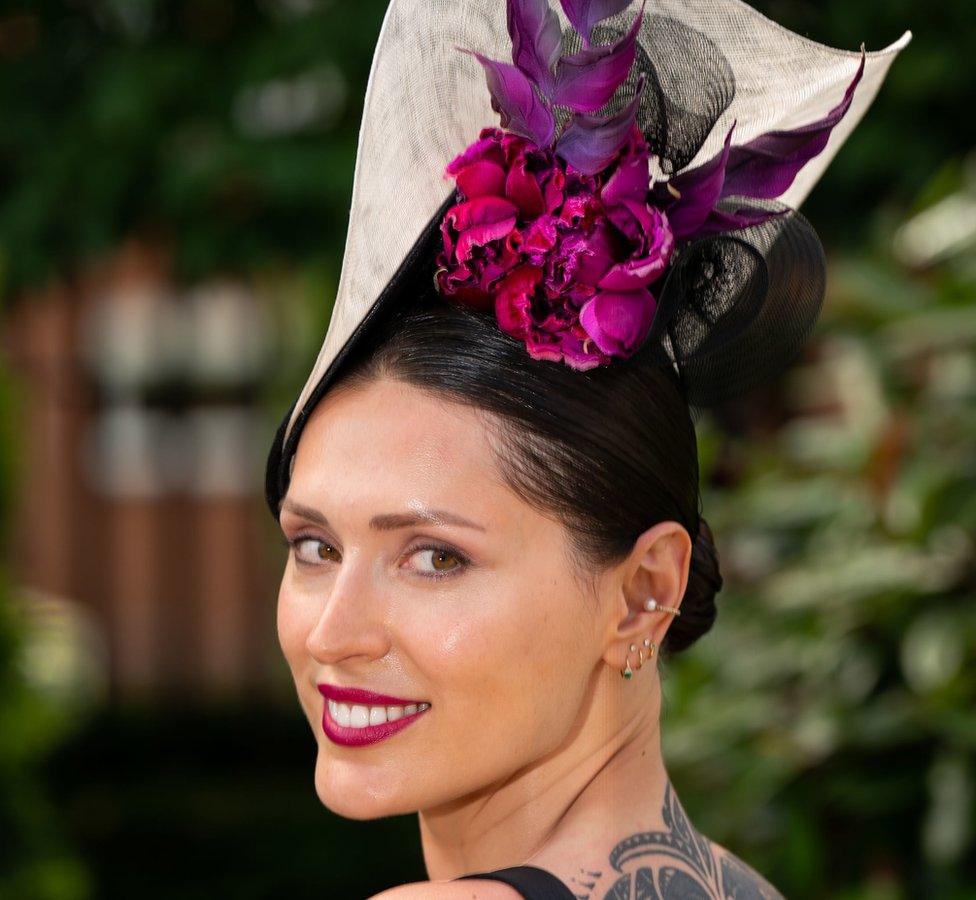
{"type": "Point", "coordinates": [563, 258]}
{"type": "Point", "coordinates": [562, 232]}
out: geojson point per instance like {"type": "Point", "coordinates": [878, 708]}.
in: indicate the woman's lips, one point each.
{"type": "Point", "coordinates": [370, 734]}
{"type": "Point", "coordinates": [361, 696]}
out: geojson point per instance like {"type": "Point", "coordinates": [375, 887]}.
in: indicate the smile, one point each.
{"type": "Point", "coordinates": [357, 725]}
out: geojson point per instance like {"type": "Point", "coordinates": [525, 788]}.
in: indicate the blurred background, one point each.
{"type": "Point", "coordinates": [175, 185]}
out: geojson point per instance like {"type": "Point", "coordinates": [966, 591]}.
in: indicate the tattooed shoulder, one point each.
{"type": "Point", "coordinates": [678, 863]}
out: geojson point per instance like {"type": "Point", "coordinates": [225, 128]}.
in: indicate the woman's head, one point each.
{"type": "Point", "coordinates": [585, 488]}
{"type": "Point", "coordinates": [607, 452]}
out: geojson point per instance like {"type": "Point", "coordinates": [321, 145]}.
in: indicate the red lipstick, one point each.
{"type": "Point", "coordinates": [358, 737]}
{"type": "Point", "coordinates": [362, 696]}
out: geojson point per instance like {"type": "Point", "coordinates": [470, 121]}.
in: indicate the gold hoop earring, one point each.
{"type": "Point", "coordinates": [628, 672]}
{"type": "Point", "coordinates": [651, 605]}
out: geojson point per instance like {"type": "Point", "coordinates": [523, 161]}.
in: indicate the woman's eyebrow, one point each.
{"type": "Point", "coordinates": [389, 521]}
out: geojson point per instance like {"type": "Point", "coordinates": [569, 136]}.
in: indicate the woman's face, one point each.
{"type": "Point", "coordinates": [490, 628]}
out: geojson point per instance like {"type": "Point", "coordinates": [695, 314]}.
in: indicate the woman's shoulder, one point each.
{"type": "Point", "coordinates": [739, 879]}
{"type": "Point", "coordinates": [735, 879]}
{"type": "Point", "coordinates": [711, 872]}
{"type": "Point", "coordinates": [471, 889]}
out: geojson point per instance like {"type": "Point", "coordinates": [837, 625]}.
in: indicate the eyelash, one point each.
{"type": "Point", "coordinates": [464, 561]}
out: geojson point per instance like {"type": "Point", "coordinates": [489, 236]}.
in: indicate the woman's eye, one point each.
{"type": "Point", "coordinates": [442, 561]}
{"type": "Point", "coordinates": [313, 557]}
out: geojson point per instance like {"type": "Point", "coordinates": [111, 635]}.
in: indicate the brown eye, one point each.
{"type": "Point", "coordinates": [443, 561]}
{"type": "Point", "coordinates": [438, 560]}
{"type": "Point", "coordinates": [325, 552]}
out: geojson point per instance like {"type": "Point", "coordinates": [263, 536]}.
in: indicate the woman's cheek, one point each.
{"type": "Point", "coordinates": [294, 624]}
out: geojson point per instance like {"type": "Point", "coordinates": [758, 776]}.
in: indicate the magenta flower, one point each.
{"type": "Point", "coordinates": [565, 259]}
{"type": "Point", "coordinates": [563, 234]}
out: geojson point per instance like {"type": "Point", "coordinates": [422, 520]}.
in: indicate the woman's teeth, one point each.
{"type": "Point", "coordinates": [362, 716]}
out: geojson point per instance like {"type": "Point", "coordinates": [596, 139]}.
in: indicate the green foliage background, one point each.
{"type": "Point", "coordinates": [825, 730]}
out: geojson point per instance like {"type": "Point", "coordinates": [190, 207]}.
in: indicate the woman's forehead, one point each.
{"type": "Point", "coordinates": [398, 426]}
{"type": "Point", "coordinates": [388, 448]}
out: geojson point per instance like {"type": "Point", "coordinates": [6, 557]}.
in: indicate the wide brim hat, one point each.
{"type": "Point", "coordinates": [715, 77]}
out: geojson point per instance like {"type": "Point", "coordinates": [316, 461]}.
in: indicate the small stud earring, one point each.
{"type": "Point", "coordinates": [652, 605]}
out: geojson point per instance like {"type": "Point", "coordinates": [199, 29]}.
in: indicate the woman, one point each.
{"type": "Point", "coordinates": [489, 484]}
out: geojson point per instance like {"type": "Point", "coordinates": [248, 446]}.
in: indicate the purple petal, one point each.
{"type": "Point", "coordinates": [595, 255]}
{"type": "Point", "coordinates": [513, 300]}
{"type": "Point", "coordinates": [653, 248]}
{"type": "Point", "coordinates": [589, 143]}
{"type": "Point", "coordinates": [766, 165]}
{"type": "Point", "coordinates": [488, 146]}
{"type": "Point", "coordinates": [632, 176]}
{"type": "Point", "coordinates": [478, 221]}
{"type": "Point", "coordinates": [513, 98]}
{"type": "Point", "coordinates": [618, 322]}
{"type": "Point", "coordinates": [481, 178]}
{"type": "Point", "coordinates": [522, 188]}
{"type": "Point", "coordinates": [586, 80]}
{"type": "Point", "coordinates": [539, 237]}
{"type": "Point", "coordinates": [584, 14]}
{"type": "Point", "coordinates": [536, 40]}
{"type": "Point", "coordinates": [700, 189]}
{"type": "Point", "coordinates": [740, 217]}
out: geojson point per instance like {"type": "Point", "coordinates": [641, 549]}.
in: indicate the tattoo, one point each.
{"type": "Point", "coordinates": [677, 864]}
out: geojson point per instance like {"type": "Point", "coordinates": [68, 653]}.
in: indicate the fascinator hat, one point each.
{"type": "Point", "coordinates": [599, 176]}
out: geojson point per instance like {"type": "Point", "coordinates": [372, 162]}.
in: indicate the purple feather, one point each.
{"type": "Point", "coordinates": [514, 99]}
{"type": "Point", "coordinates": [766, 166]}
{"type": "Point", "coordinates": [719, 221]}
{"type": "Point", "coordinates": [584, 14]}
{"type": "Point", "coordinates": [536, 40]}
{"type": "Point", "coordinates": [589, 142]}
{"type": "Point", "coordinates": [586, 80]}
{"type": "Point", "coordinates": [700, 189]}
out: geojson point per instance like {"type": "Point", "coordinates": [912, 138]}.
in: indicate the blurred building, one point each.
{"type": "Point", "coordinates": [139, 491]}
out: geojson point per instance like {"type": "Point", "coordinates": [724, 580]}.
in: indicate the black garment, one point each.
{"type": "Point", "coordinates": [531, 882]}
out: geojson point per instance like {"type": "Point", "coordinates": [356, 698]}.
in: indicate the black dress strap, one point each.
{"type": "Point", "coordinates": [531, 882]}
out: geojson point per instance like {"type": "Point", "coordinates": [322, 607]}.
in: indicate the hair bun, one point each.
{"type": "Point", "coordinates": [698, 610]}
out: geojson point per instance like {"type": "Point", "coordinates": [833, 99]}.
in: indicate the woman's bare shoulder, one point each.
{"type": "Point", "coordinates": [659, 864]}
{"type": "Point", "coordinates": [469, 889]}
{"type": "Point", "coordinates": [729, 877]}
{"type": "Point", "coordinates": [741, 880]}
{"type": "Point", "coordinates": [697, 869]}
{"type": "Point", "coordinates": [675, 860]}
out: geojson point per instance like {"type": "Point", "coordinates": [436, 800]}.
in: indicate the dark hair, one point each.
{"type": "Point", "coordinates": [609, 451]}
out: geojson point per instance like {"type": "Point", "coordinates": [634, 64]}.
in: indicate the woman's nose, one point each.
{"type": "Point", "coordinates": [350, 622]}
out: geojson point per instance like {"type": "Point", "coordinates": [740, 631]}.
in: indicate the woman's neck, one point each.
{"type": "Point", "coordinates": [605, 781]}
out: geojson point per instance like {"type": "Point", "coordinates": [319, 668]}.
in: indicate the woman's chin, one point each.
{"type": "Point", "coordinates": [360, 792]}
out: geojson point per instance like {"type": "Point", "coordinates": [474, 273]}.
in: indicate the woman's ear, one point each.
{"type": "Point", "coordinates": [657, 567]}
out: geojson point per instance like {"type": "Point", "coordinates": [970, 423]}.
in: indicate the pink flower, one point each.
{"type": "Point", "coordinates": [549, 327]}
{"type": "Point", "coordinates": [564, 259]}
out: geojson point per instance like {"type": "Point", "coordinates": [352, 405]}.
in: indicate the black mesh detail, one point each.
{"type": "Point", "coordinates": [689, 84]}
{"type": "Point", "coordinates": [733, 309]}
{"type": "Point", "coordinates": [736, 307]}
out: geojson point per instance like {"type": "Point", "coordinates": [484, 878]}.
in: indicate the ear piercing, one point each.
{"type": "Point", "coordinates": [651, 605]}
